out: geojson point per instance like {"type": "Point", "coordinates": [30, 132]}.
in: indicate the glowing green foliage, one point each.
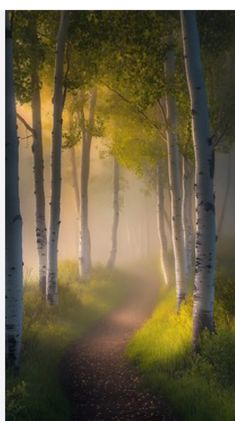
{"type": "Point", "coordinates": [199, 386]}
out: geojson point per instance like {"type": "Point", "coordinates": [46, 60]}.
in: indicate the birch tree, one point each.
{"type": "Point", "coordinates": [37, 149]}
{"type": "Point", "coordinates": [14, 281]}
{"type": "Point", "coordinates": [116, 210]}
{"type": "Point", "coordinates": [84, 238]}
{"type": "Point", "coordinates": [58, 102]}
{"type": "Point", "coordinates": [187, 214]}
{"type": "Point", "coordinates": [205, 245]}
{"type": "Point", "coordinates": [28, 62]}
{"type": "Point", "coordinates": [161, 224]}
{"type": "Point", "coordinates": [174, 178]}
{"type": "Point", "coordinates": [72, 138]}
{"type": "Point", "coordinates": [217, 51]}
{"type": "Point", "coordinates": [75, 180]}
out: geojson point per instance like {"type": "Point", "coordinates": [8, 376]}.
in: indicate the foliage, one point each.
{"type": "Point", "coordinates": [37, 392]}
{"type": "Point", "coordinates": [16, 399]}
{"type": "Point", "coordinates": [32, 47]}
{"type": "Point", "coordinates": [200, 387]}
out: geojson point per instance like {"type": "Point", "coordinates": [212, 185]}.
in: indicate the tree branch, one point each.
{"type": "Point", "coordinates": [163, 112]}
{"type": "Point", "coordinates": [26, 137]}
{"type": "Point", "coordinates": [28, 127]}
{"type": "Point", "coordinates": [137, 109]}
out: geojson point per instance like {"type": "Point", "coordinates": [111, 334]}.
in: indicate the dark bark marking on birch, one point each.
{"type": "Point", "coordinates": [208, 206]}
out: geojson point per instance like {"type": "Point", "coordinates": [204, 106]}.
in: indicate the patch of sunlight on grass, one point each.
{"type": "Point", "coordinates": [198, 387]}
{"type": "Point", "coordinates": [165, 334]}
{"type": "Point", "coordinates": [36, 394]}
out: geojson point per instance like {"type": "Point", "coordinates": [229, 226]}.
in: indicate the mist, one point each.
{"type": "Point", "coordinates": [137, 235]}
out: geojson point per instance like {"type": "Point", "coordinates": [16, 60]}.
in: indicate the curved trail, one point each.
{"type": "Point", "coordinates": [99, 381]}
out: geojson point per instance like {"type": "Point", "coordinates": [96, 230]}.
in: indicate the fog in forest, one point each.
{"type": "Point", "coordinates": [137, 235]}
{"type": "Point", "coordinates": [120, 181]}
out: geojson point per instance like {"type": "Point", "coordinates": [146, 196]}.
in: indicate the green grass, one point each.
{"type": "Point", "coordinates": [198, 387]}
{"type": "Point", "coordinates": [36, 393]}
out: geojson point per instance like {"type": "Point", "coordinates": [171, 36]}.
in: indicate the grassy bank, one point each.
{"type": "Point", "coordinates": [36, 394]}
{"type": "Point", "coordinates": [198, 387]}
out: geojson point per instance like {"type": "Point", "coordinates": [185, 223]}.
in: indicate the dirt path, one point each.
{"type": "Point", "coordinates": [98, 379]}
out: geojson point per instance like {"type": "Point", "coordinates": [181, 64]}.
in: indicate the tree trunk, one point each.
{"type": "Point", "coordinates": [84, 241]}
{"type": "Point", "coordinates": [37, 149]}
{"type": "Point", "coordinates": [161, 224]}
{"type": "Point", "coordinates": [75, 183]}
{"type": "Point", "coordinates": [175, 182]}
{"type": "Point", "coordinates": [52, 282]}
{"type": "Point", "coordinates": [75, 178]}
{"type": "Point", "coordinates": [116, 210]}
{"type": "Point", "coordinates": [187, 189]}
{"type": "Point", "coordinates": [14, 278]}
{"type": "Point", "coordinates": [205, 251]}
{"type": "Point", "coordinates": [226, 195]}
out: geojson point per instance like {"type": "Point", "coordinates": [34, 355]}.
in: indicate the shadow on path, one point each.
{"type": "Point", "coordinates": [99, 381]}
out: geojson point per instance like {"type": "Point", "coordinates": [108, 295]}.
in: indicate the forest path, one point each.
{"type": "Point", "coordinates": [99, 381]}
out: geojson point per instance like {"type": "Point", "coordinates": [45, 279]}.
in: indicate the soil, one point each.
{"type": "Point", "coordinates": [99, 381]}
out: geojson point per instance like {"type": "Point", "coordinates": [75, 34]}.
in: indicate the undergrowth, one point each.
{"type": "Point", "coordinates": [198, 387]}
{"type": "Point", "coordinates": [36, 393]}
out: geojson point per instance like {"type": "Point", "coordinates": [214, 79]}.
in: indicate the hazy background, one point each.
{"type": "Point", "coordinates": [137, 235]}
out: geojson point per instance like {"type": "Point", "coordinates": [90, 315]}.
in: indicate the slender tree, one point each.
{"type": "Point", "coordinates": [84, 240]}
{"type": "Point", "coordinates": [58, 102]}
{"type": "Point", "coordinates": [116, 210]}
{"type": "Point", "coordinates": [37, 149]}
{"type": "Point", "coordinates": [175, 177]}
{"type": "Point", "coordinates": [187, 214]}
{"type": "Point", "coordinates": [14, 278]}
{"type": "Point", "coordinates": [205, 245]}
{"type": "Point", "coordinates": [75, 180]}
{"type": "Point", "coordinates": [28, 61]}
{"type": "Point", "coordinates": [161, 224]}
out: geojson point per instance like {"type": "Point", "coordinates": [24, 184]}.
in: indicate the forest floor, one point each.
{"type": "Point", "coordinates": [98, 379]}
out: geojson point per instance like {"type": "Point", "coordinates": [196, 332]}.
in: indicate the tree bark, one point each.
{"type": "Point", "coordinates": [175, 181]}
{"type": "Point", "coordinates": [75, 179]}
{"type": "Point", "coordinates": [37, 149]}
{"type": "Point", "coordinates": [161, 224]}
{"type": "Point", "coordinates": [116, 210]}
{"type": "Point", "coordinates": [14, 277]}
{"type": "Point", "coordinates": [52, 282]}
{"type": "Point", "coordinates": [205, 247]}
{"type": "Point", "coordinates": [84, 241]}
{"type": "Point", "coordinates": [187, 189]}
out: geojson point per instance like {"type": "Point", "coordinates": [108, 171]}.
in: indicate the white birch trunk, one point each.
{"type": "Point", "coordinates": [116, 210]}
{"type": "Point", "coordinates": [84, 240]}
{"type": "Point", "coordinates": [161, 224]}
{"type": "Point", "coordinates": [52, 282]}
{"type": "Point", "coordinates": [187, 189]}
{"type": "Point", "coordinates": [205, 245]}
{"type": "Point", "coordinates": [38, 168]}
{"type": "Point", "coordinates": [14, 277]}
{"type": "Point", "coordinates": [175, 183]}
